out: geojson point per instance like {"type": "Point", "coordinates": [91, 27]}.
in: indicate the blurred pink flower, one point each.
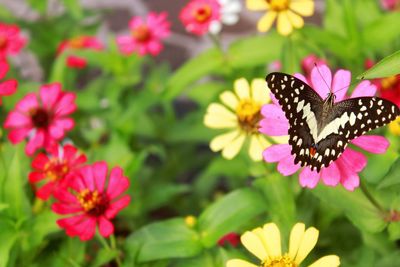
{"type": "Point", "coordinates": [42, 118]}
{"type": "Point", "coordinates": [54, 167]}
{"type": "Point", "coordinates": [146, 35]}
{"type": "Point", "coordinates": [6, 87]}
{"type": "Point", "coordinates": [391, 5]}
{"type": "Point", "coordinates": [346, 168]}
{"type": "Point", "coordinates": [90, 203]}
{"type": "Point", "coordinates": [78, 43]}
{"type": "Point", "coordinates": [199, 16]}
{"type": "Point", "coordinates": [308, 63]}
{"type": "Point", "coordinates": [11, 41]}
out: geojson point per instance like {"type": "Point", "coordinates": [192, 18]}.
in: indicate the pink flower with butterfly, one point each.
{"type": "Point", "coordinates": [346, 168]}
{"type": "Point", "coordinates": [42, 118]}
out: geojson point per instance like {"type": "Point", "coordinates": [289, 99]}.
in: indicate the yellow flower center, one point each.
{"type": "Point", "coordinates": [248, 113]}
{"type": "Point", "coordinates": [93, 202]}
{"type": "Point", "coordinates": [281, 261]}
{"type": "Point", "coordinates": [142, 33]}
{"type": "Point", "coordinates": [76, 42]}
{"type": "Point", "coordinates": [56, 169]}
{"type": "Point", "coordinates": [203, 13]}
{"type": "Point", "coordinates": [279, 5]}
{"type": "Point", "coordinates": [388, 82]}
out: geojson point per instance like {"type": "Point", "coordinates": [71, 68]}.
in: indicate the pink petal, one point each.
{"type": "Point", "coordinates": [88, 178]}
{"type": "Point", "coordinates": [17, 135]}
{"type": "Point", "coordinates": [116, 206]}
{"type": "Point", "coordinates": [63, 209]}
{"type": "Point", "coordinates": [364, 88]}
{"type": "Point", "coordinates": [86, 229]}
{"type": "Point", "coordinates": [66, 105]}
{"type": "Point", "coordinates": [100, 173]}
{"type": "Point", "coordinates": [308, 178]}
{"type": "Point", "coordinates": [273, 99]}
{"type": "Point", "coordinates": [301, 77]}
{"type": "Point", "coordinates": [350, 180]}
{"type": "Point", "coordinates": [45, 191]}
{"type": "Point", "coordinates": [117, 183]}
{"type": "Point", "coordinates": [16, 119]}
{"type": "Point", "coordinates": [321, 84]}
{"type": "Point", "coordinates": [287, 167]}
{"type": "Point", "coordinates": [36, 177]}
{"type": "Point", "coordinates": [274, 122]}
{"type": "Point", "coordinates": [331, 175]}
{"type": "Point", "coordinates": [276, 153]}
{"type": "Point", "coordinates": [341, 83]}
{"type": "Point", "coordinates": [4, 67]}
{"type": "Point", "coordinates": [106, 228]}
{"type": "Point", "coordinates": [49, 95]}
{"type": "Point", "coordinates": [352, 160]}
{"type": "Point", "coordinates": [8, 87]}
{"type": "Point", "coordinates": [372, 143]}
{"type": "Point", "coordinates": [37, 141]}
{"type": "Point", "coordinates": [27, 103]}
{"type": "Point", "coordinates": [40, 161]}
{"type": "Point", "coordinates": [65, 196]}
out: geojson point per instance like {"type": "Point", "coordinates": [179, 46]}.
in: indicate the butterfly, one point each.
{"type": "Point", "coordinates": [320, 129]}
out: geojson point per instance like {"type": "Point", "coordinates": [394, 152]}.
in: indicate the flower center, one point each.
{"type": "Point", "coordinates": [248, 113]}
{"type": "Point", "coordinates": [76, 42]}
{"type": "Point", "coordinates": [93, 202]}
{"type": "Point", "coordinates": [3, 42]}
{"type": "Point", "coordinates": [40, 118]}
{"type": "Point", "coordinates": [142, 33]}
{"type": "Point", "coordinates": [389, 82]}
{"type": "Point", "coordinates": [203, 13]}
{"type": "Point", "coordinates": [56, 169]}
{"type": "Point", "coordinates": [279, 5]}
{"type": "Point", "coordinates": [281, 261]}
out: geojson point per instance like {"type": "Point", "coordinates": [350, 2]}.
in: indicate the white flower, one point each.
{"type": "Point", "coordinates": [229, 15]}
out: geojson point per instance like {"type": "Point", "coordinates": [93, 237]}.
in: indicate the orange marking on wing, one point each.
{"type": "Point", "coordinates": [312, 151]}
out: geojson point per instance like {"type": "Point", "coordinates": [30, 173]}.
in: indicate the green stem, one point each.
{"type": "Point", "coordinates": [216, 41]}
{"type": "Point", "coordinates": [103, 241]}
{"type": "Point", "coordinates": [371, 198]}
{"type": "Point", "coordinates": [114, 247]}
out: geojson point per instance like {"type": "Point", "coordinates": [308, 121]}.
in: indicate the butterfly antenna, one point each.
{"type": "Point", "coordinates": [315, 64]}
{"type": "Point", "coordinates": [347, 86]}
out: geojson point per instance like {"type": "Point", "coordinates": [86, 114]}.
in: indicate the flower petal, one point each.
{"type": "Point", "coordinates": [257, 145]}
{"type": "Point", "coordinates": [229, 99]}
{"type": "Point", "coordinates": [253, 244]}
{"type": "Point", "coordinates": [304, 8]}
{"type": "Point", "coordinates": [308, 242]}
{"type": "Point", "coordinates": [353, 160]}
{"type": "Point", "coordinates": [331, 175]}
{"type": "Point", "coordinates": [259, 91]}
{"type": "Point", "coordinates": [372, 143]}
{"type": "Point", "coordinates": [116, 206]}
{"type": "Point", "coordinates": [273, 240]}
{"type": "Point", "coordinates": [308, 178]}
{"type": "Point", "coordinates": [257, 5]}
{"type": "Point", "coordinates": [117, 184]}
{"type": "Point", "coordinates": [274, 122]}
{"type": "Point", "coordinates": [221, 141]}
{"type": "Point", "coordinates": [276, 153]}
{"type": "Point", "coordinates": [239, 263]}
{"type": "Point", "coordinates": [284, 25]}
{"type": "Point", "coordinates": [233, 148]}
{"type": "Point", "coordinates": [296, 20]}
{"type": "Point", "coordinates": [327, 261]}
{"type": "Point", "coordinates": [265, 23]}
{"type": "Point", "coordinates": [106, 228]}
{"type": "Point", "coordinates": [364, 88]}
{"type": "Point", "coordinates": [296, 235]}
{"type": "Point", "coordinates": [341, 80]}
{"type": "Point", "coordinates": [287, 167]}
{"type": "Point", "coordinates": [242, 88]}
{"type": "Point", "coordinates": [321, 80]}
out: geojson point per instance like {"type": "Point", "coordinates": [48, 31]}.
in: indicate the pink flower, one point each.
{"type": "Point", "coordinates": [201, 16]}
{"type": "Point", "coordinates": [11, 41]}
{"type": "Point", "coordinates": [90, 202]}
{"type": "Point", "coordinates": [146, 35]}
{"type": "Point", "coordinates": [346, 168]}
{"type": "Point", "coordinates": [78, 43]}
{"type": "Point", "coordinates": [308, 63]}
{"type": "Point", "coordinates": [54, 168]}
{"type": "Point", "coordinates": [42, 118]}
{"type": "Point", "coordinates": [6, 87]}
{"type": "Point", "coordinates": [230, 238]}
{"type": "Point", "coordinates": [391, 5]}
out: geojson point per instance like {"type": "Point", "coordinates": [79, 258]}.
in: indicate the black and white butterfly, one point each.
{"type": "Point", "coordinates": [320, 129]}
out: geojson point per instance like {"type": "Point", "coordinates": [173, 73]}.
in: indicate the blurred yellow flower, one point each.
{"type": "Point", "coordinates": [394, 126]}
{"type": "Point", "coordinates": [190, 220]}
{"type": "Point", "coordinates": [241, 115]}
{"type": "Point", "coordinates": [265, 244]}
{"type": "Point", "coordinates": [287, 12]}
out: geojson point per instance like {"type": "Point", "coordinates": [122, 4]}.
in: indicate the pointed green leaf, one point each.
{"type": "Point", "coordinates": [387, 67]}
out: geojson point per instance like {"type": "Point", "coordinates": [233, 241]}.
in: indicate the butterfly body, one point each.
{"type": "Point", "coordinates": [320, 129]}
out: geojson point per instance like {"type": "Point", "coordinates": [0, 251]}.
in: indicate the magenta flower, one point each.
{"type": "Point", "coordinates": [145, 35]}
{"type": "Point", "coordinates": [346, 168]}
{"type": "Point", "coordinates": [6, 87]}
{"type": "Point", "coordinates": [308, 63]}
{"type": "Point", "coordinates": [42, 118]}
{"type": "Point", "coordinates": [92, 201]}
{"type": "Point", "coordinates": [391, 5]}
{"type": "Point", "coordinates": [11, 41]}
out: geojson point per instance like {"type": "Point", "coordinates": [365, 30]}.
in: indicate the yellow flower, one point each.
{"type": "Point", "coordinates": [265, 244]}
{"type": "Point", "coordinates": [240, 114]}
{"type": "Point", "coordinates": [287, 12]}
{"type": "Point", "coordinates": [394, 127]}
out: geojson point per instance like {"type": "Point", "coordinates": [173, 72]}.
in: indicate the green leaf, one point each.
{"type": "Point", "coordinates": [164, 240]}
{"type": "Point", "coordinates": [38, 5]}
{"type": "Point", "coordinates": [74, 7]}
{"type": "Point", "coordinates": [378, 165]}
{"type": "Point", "coordinates": [104, 256]}
{"type": "Point", "coordinates": [228, 214]}
{"type": "Point", "coordinates": [290, 60]}
{"type": "Point", "coordinates": [8, 236]}
{"type": "Point", "coordinates": [40, 226]}
{"type": "Point", "coordinates": [391, 179]}
{"type": "Point", "coordinates": [333, 20]}
{"type": "Point", "coordinates": [387, 67]}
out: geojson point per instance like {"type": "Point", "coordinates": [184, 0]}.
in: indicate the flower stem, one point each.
{"type": "Point", "coordinates": [114, 247]}
{"type": "Point", "coordinates": [371, 198]}
{"type": "Point", "coordinates": [216, 41]}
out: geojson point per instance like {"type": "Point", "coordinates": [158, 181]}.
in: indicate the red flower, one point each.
{"type": "Point", "coordinates": [89, 203]}
{"type": "Point", "coordinates": [231, 238]}
{"type": "Point", "coordinates": [54, 168]}
{"type": "Point", "coordinates": [78, 43]}
{"type": "Point", "coordinates": [201, 16]}
{"type": "Point", "coordinates": [7, 87]}
{"type": "Point", "coordinates": [11, 40]}
{"type": "Point", "coordinates": [42, 118]}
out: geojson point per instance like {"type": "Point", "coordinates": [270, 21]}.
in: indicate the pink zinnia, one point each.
{"type": "Point", "coordinates": [6, 87]}
{"type": "Point", "coordinates": [309, 62]}
{"type": "Point", "coordinates": [54, 168]}
{"type": "Point", "coordinates": [200, 16]}
{"type": "Point", "coordinates": [391, 5]}
{"type": "Point", "coordinates": [42, 118]}
{"type": "Point", "coordinates": [11, 41]}
{"type": "Point", "coordinates": [346, 168]}
{"type": "Point", "coordinates": [89, 203]}
{"type": "Point", "coordinates": [145, 35]}
{"type": "Point", "coordinates": [78, 43]}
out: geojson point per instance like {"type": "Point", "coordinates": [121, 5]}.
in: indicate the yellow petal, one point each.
{"type": "Point", "coordinates": [284, 25]}
{"type": "Point", "coordinates": [296, 235]}
{"type": "Point", "coordinates": [260, 91]}
{"type": "Point", "coordinates": [304, 8]}
{"type": "Point", "coordinates": [233, 148]}
{"type": "Point", "coordinates": [242, 88]}
{"type": "Point", "coordinates": [221, 141]}
{"type": "Point", "coordinates": [239, 263]}
{"type": "Point", "coordinates": [260, 233]}
{"type": "Point", "coordinates": [327, 261]}
{"type": "Point", "coordinates": [295, 19]}
{"type": "Point", "coordinates": [308, 242]}
{"type": "Point", "coordinates": [229, 99]}
{"type": "Point", "coordinates": [257, 5]}
{"type": "Point", "coordinates": [273, 240]}
{"type": "Point", "coordinates": [265, 23]}
{"type": "Point", "coordinates": [253, 244]}
{"type": "Point", "coordinates": [257, 145]}
{"type": "Point", "coordinates": [284, 139]}
{"type": "Point", "coordinates": [219, 122]}
{"type": "Point", "coordinates": [220, 110]}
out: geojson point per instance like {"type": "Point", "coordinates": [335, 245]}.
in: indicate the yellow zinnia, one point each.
{"type": "Point", "coordinates": [240, 114]}
{"type": "Point", "coordinates": [394, 126]}
{"type": "Point", "coordinates": [287, 12]}
{"type": "Point", "coordinates": [265, 244]}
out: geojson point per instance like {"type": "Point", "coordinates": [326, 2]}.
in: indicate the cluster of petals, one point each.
{"type": "Point", "coordinates": [145, 35]}
{"type": "Point", "coordinates": [91, 201]}
{"type": "Point", "coordinates": [207, 16]}
{"type": "Point", "coordinates": [288, 14]}
{"type": "Point", "coordinates": [7, 87]}
{"type": "Point", "coordinates": [346, 168]}
{"type": "Point", "coordinates": [41, 117]}
{"type": "Point", "coordinates": [11, 40]}
{"type": "Point", "coordinates": [53, 167]}
{"type": "Point", "coordinates": [78, 43]}
{"type": "Point", "coordinates": [265, 243]}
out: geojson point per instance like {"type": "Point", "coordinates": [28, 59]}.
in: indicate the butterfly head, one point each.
{"type": "Point", "coordinates": [330, 98]}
